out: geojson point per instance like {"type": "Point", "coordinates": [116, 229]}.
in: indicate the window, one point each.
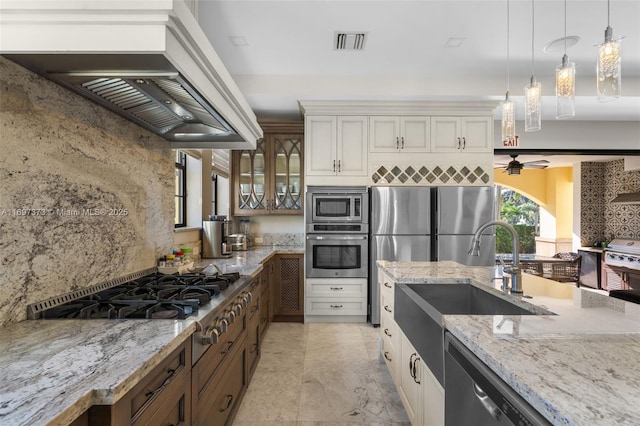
{"type": "Point", "coordinates": [181, 190]}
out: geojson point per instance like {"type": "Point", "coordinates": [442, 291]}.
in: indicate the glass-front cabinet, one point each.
{"type": "Point", "coordinates": [269, 179]}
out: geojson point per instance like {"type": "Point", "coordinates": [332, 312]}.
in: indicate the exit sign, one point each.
{"type": "Point", "coordinates": [511, 143]}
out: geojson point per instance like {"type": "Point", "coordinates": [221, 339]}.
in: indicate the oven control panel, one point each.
{"type": "Point", "coordinates": [626, 260]}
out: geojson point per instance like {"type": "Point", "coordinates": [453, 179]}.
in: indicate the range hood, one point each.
{"type": "Point", "coordinates": [628, 198]}
{"type": "Point", "coordinates": [147, 60]}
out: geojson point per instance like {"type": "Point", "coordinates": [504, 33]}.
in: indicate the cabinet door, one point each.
{"type": "Point", "coordinates": [289, 282]}
{"type": "Point", "coordinates": [432, 398]}
{"type": "Point", "coordinates": [287, 178]}
{"type": "Point", "coordinates": [384, 134]}
{"type": "Point", "coordinates": [445, 134]}
{"type": "Point", "coordinates": [476, 134]}
{"type": "Point", "coordinates": [415, 134]}
{"type": "Point", "coordinates": [352, 145]}
{"type": "Point", "coordinates": [250, 168]}
{"type": "Point", "coordinates": [409, 386]}
{"type": "Point", "coordinates": [320, 145]}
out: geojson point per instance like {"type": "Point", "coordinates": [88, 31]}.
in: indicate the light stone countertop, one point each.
{"type": "Point", "coordinates": [579, 367]}
{"type": "Point", "coordinates": [52, 371]}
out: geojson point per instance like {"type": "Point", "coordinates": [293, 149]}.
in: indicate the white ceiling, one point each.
{"type": "Point", "coordinates": [289, 53]}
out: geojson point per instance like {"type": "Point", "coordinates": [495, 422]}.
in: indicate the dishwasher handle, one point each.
{"type": "Point", "coordinates": [486, 402]}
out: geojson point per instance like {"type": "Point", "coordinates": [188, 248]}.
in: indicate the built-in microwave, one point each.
{"type": "Point", "coordinates": [330, 204]}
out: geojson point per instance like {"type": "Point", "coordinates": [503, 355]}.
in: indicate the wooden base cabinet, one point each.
{"type": "Point", "coordinates": [162, 397]}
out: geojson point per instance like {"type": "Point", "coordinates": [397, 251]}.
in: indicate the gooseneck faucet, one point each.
{"type": "Point", "coordinates": [514, 270]}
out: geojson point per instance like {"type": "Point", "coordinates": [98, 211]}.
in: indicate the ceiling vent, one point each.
{"type": "Point", "coordinates": [349, 41]}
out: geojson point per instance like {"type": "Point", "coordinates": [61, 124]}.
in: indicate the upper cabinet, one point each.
{"type": "Point", "coordinates": [336, 146]}
{"type": "Point", "coordinates": [399, 134]}
{"type": "Point", "coordinates": [461, 134]}
{"type": "Point", "coordinates": [269, 179]}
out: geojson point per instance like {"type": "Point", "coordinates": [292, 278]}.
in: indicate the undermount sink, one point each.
{"type": "Point", "coordinates": [419, 309]}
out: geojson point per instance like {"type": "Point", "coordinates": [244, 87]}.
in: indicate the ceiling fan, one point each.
{"type": "Point", "coordinates": [514, 166]}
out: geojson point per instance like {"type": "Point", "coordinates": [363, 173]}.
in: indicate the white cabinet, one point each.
{"type": "Point", "coordinates": [399, 134]}
{"type": "Point", "coordinates": [336, 145]}
{"type": "Point", "coordinates": [432, 398]}
{"type": "Point", "coordinates": [335, 300]}
{"type": "Point", "coordinates": [461, 134]}
{"type": "Point", "coordinates": [409, 382]}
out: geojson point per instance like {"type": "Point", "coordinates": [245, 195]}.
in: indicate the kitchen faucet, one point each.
{"type": "Point", "coordinates": [514, 269]}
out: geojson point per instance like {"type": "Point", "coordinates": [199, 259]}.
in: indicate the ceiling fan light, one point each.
{"type": "Point", "coordinates": [513, 171]}
{"type": "Point", "coordinates": [533, 106]}
{"type": "Point", "coordinates": [565, 89]}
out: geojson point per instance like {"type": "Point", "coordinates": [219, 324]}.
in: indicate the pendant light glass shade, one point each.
{"type": "Point", "coordinates": [508, 120]}
{"type": "Point", "coordinates": [608, 68]}
{"type": "Point", "coordinates": [532, 106]}
{"type": "Point", "coordinates": [565, 89]}
{"type": "Point", "coordinates": [533, 92]}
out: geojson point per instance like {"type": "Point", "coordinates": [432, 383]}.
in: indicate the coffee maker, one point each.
{"type": "Point", "coordinates": [214, 237]}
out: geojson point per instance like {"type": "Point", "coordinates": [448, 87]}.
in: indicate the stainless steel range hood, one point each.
{"type": "Point", "coordinates": [628, 198]}
{"type": "Point", "coordinates": [147, 60]}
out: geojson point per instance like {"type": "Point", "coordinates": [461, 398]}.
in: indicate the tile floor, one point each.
{"type": "Point", "coordinates": [321, 374]}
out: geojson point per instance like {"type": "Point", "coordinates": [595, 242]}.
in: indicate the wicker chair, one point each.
{"type": "Point", "coordinates": [566, 271]}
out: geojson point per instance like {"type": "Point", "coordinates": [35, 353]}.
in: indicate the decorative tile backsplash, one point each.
{"type": "Point", "coordinates": [87, 196]}
{"type": "Point", "coordinates": [600, 219]}
{"type": "Point", "coordinates": [430, 175]}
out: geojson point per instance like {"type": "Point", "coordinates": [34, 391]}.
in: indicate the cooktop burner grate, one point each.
{"type": "Point", "coordinates": [146, 294]}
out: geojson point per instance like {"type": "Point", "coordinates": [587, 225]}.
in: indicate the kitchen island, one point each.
{"type": "Point", "coordinates": [579, 367]}
{"type": "Point", "coordinates": [52, 371]}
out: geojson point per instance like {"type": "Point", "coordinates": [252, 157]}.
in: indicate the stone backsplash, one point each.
{"type": "Point", "coordinates": [600, 220]}
{"type": "Point", "coordinates": [279, 239]}
{"type": "Point", "coordinates": [86, 195]}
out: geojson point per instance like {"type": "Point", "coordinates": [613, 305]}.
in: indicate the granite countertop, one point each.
{"type": "Point", "coordinates": [578, 367]}
{"type": "Point", "coordinates": [51, 371]}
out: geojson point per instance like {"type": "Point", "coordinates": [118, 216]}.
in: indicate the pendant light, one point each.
{"type": "Point", "coordinates": [533, 92]}
{"type": "Point", "coordinates": [508, 108]}
{"type": "Point", "coordinates": [608, 67]}
{"type": "Point", "coordinates": [565, 81]}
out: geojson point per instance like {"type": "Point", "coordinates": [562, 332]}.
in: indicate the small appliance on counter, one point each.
{"type": "Point", "coordinates": [238, 242]}
{"type": "Point", "coordinates": [214, 237]}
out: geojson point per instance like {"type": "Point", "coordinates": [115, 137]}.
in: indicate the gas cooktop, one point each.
{"type": "Point", "coordinates": [151, 296]}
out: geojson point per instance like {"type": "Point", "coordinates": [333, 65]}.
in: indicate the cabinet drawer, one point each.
{"type": "Point", "coordinates": [337, 288]}
{"type": "Point", "coordinates": [173, 407]}
{"type": "Point", "coordinates": [326, 306]}
{"type": "Point", "coordinates": [391, 358]}
{"type": "Point", "coordinates": [223, 393]}
{"type": "Point", "coordinates": [209, 362]}
{"type": "Point", "coordinates": [386, 304]}
{"type": "Point", "coordinates": [389, 330]}
{"type": "Point", "coordinates": [386, 286]}
{"type": "Point", "coordinates": [149, 394]}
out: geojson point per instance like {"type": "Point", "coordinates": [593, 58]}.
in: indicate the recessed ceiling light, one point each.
{"type": "Point", "coordinates": [238, 41]}
{"type": "Point", "coordinates": [557, 46]}
{"type": "Point", "coordinates": [454, 41]}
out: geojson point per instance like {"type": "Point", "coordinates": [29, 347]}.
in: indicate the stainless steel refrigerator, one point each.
{"type": "Point", "coordinates": [427, 224]}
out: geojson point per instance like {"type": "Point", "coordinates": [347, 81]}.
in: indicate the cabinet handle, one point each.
{"type": "Point", "coordinates": [387, 285]}
{"type": "Point", "coordinates": [387, 357]}
{"type": "Point", "coordinates": [334, 166]}
{"type": "Point", "coordinates": [411, 365]}
{"type": "Point", "coordinates": [255, 348]}
{"type": "Point", "coordinates": [336, 306]}
{"type": "Point", "coordinates": [397, 144]}
{"type": "Point", "coordinates": [402, 145]}
{"type": "Point", "coordinates": [229, 345]}
{"type": "Point", "coordinates": [386, 331]}
{"type": "Point", "coordinates": [458, 143]}
{"type": "Point", "coordinates": [335, 288]}
{"type": "Point", "coordinates": [228, 403]}
{"type": "Point", "coordinates": [339, 166]}
{"type": "Point", "coordinates": [386, 308]}
{"type": "Point", "coordinates": [150, 393]}
{"type": "Point", "coordinates": [464, 143]}
{"type": "Point", "coordinates": [415, 375]}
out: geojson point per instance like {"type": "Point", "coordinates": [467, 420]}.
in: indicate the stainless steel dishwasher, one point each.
{"type": "Point", "coordinates": [475, 395]}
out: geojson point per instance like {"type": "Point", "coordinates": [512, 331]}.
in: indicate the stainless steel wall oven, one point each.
{"type": "Point", "coordinates": [337, 228]}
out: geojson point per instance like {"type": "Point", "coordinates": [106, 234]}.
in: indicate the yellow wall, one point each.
{"type": "Point", "coordinates": [551, 189]}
